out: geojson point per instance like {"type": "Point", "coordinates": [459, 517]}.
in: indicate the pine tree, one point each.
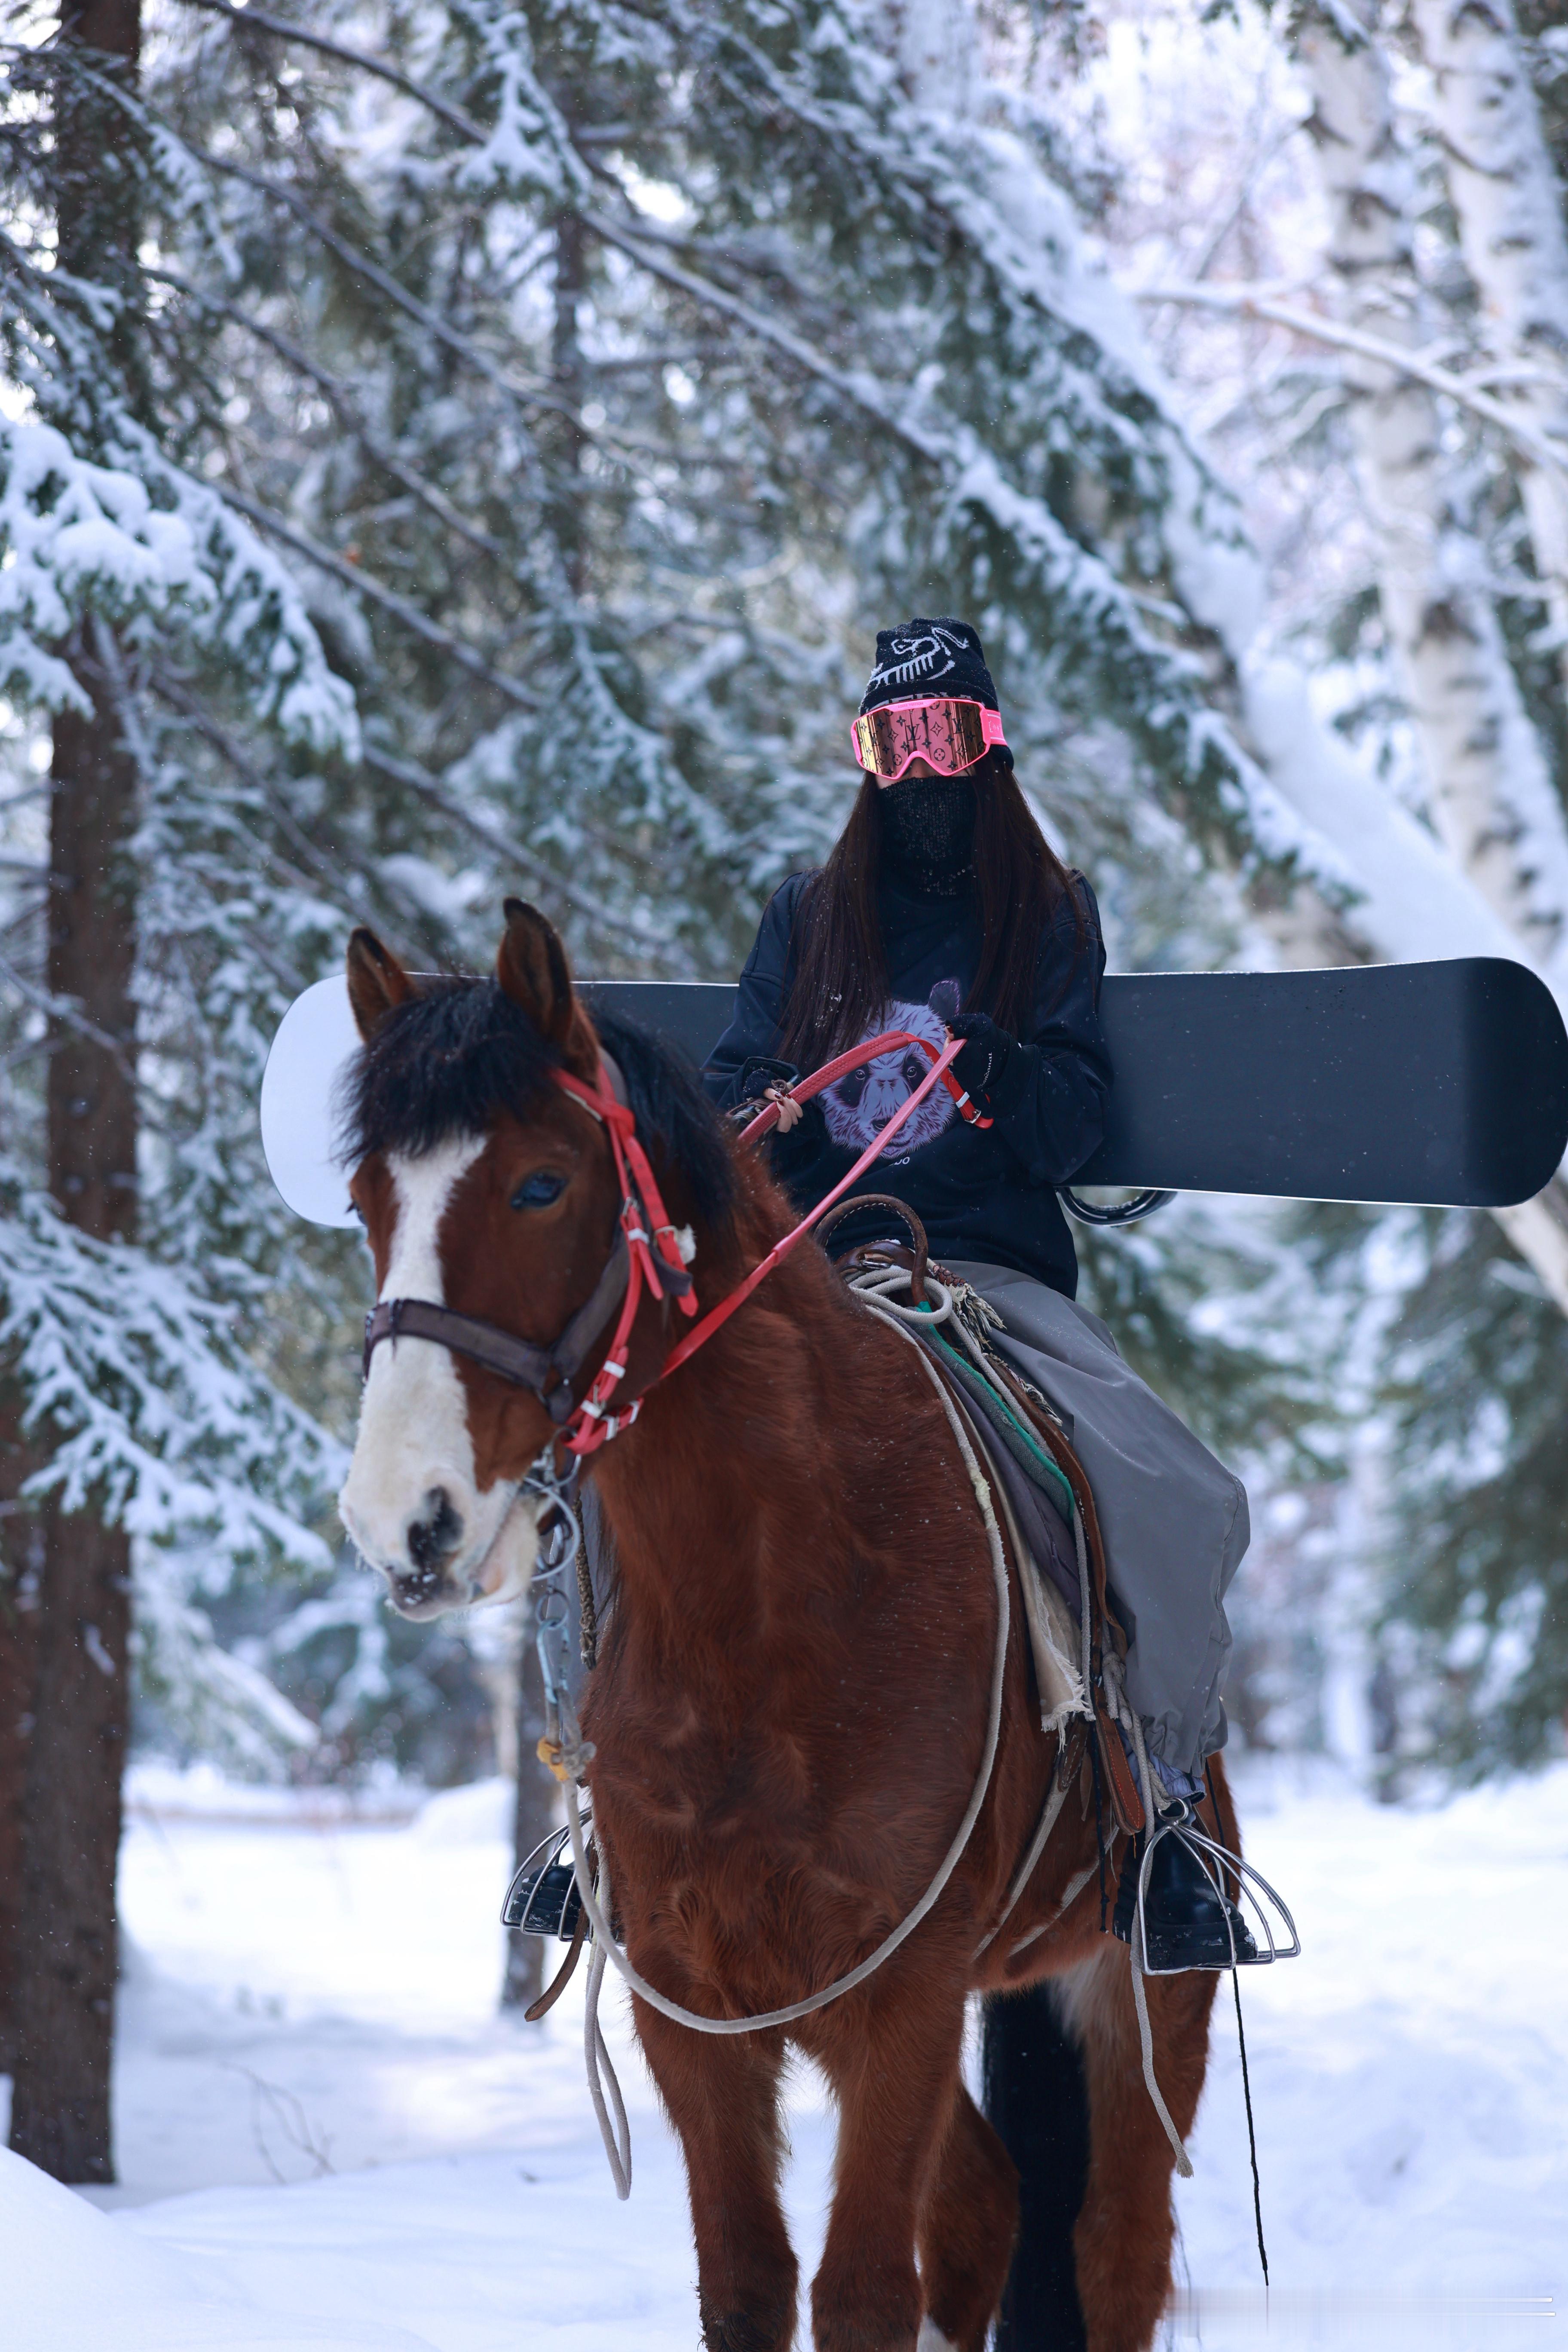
{"type": "Point", "coordinates": [157, 1429]}
{"type": "Point", "coordinates": [1476, 1603]}
{"type": "Point", "coordinates": [682, 420]}
{"type": "Point", "coordinates": [65, 1946]}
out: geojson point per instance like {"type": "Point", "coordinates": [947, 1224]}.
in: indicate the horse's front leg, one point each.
{"type": "Point", "coordinates": [892, 2056]}
{"type": "Point", "coordinates": [722, 2096]}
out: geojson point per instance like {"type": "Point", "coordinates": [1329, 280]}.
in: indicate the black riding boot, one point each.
{"type": "Point", "coordinates": [1185, 1914]}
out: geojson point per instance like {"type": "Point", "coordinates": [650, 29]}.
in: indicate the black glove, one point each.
{"type": "Point", "coordinates": [987, 1050]}
{"type": "Point", "coordinates": [762, 1072]}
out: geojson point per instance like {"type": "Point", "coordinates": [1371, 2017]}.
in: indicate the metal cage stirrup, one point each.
{"type": "Point", "coordinates": [1218, 1865]}
{"type": "Point", "coordinates": [542, 1898]}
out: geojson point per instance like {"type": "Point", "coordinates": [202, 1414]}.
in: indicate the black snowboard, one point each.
{"type": "Point", "coordinates": [1426, 1082]}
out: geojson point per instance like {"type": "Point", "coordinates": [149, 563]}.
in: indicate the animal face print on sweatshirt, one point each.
{"type": "Point", "coordinates": [859, 1105]}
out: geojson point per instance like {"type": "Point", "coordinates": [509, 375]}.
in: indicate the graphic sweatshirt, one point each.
{"type": "Point", "coordinates": [981, 1193]}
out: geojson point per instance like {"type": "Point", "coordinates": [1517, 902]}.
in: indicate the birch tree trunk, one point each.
{"type": "Point", "coordinates": [1514, 238]}
{"type": "Point", "coordinates": [1492, 796]}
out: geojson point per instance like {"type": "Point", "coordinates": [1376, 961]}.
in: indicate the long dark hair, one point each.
{"type": "Point", "coordinates": [841, 981]}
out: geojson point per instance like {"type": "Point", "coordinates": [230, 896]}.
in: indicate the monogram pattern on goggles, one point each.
{"type": "Point", "coordinates": [947, 733]}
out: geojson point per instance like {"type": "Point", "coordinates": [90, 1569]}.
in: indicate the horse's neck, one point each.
{"type": "Point", "coordinates": [734, 1470]}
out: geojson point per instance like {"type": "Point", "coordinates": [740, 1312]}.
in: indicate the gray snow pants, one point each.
{"type": "Point", "coordinates": [1174, 1520]}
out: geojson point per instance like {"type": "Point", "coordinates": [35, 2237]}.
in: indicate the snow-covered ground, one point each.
{"type": "Point", "coordinates": [327, 2137]}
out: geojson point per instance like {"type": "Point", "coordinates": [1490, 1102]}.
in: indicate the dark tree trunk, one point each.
{"type": "Point", "coordinates": [21, 1581]}
{"type": "Point", "coordinates": [563, 437]}
{"type": "Point", "coordinates": [534, 1819]}
{"type": "Point", "coordinates": [67, 1946]}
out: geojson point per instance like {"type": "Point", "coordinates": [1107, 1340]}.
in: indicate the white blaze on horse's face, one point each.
{"type": "Point", "coordinates": [412, 1502]}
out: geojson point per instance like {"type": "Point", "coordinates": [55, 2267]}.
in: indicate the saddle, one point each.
{"type": "Point", "coordinates": [1045, 1500]}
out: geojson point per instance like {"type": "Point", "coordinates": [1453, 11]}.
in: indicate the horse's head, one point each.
{"type": "Point", "coordinates": [484, 1189]}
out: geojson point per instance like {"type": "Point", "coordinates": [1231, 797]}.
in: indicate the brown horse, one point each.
{"type": "Point", "coordinates": [789, 1702]}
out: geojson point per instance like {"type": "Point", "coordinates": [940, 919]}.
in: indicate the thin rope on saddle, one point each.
{"type": "Point", "coordinates": [768, 2019]}
{"type": "Point", "coordinates": [614, 2130]}
{"type": "Point", "coordinates": [571, 1756]}
{"type": "Point", "coordinates": [1010, 1428]}
{"type": "Point", "coordinates": [976, 1378]}
{"type": "Point", "coordinates": [568, 1755]}
{"type": "Point", "coordinates": [1251, 2132]}
{"type": "Point", "coordinates": [944, 1303]}
{"type": "Point", "coordinates": [1129, 1715]}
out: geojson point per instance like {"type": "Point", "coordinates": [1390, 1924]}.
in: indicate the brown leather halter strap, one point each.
{"type": "Point", "coordinates": [550, 1371]}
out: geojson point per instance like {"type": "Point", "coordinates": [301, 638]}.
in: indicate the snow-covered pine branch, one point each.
{"type": "Point", "coordinates": [141, 542]}
{"type": "Point", "coordinates": [215, 1704]}
{"type": "Point", "coordinates": [1186, 738]}
{"type": "Point", "coordinates": [161, 1423]}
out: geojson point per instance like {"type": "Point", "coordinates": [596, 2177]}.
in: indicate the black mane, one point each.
{"type": "Point", "coordinates": [442, 1065]}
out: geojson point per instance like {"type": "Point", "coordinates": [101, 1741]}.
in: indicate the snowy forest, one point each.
{"type": "Point", "coordinates": [454, 447]}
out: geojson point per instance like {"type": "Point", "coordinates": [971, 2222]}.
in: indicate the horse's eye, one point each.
{"type": "Point", "coordinates": [538, 1191]}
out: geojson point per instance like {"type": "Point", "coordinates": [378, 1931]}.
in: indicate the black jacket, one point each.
{"type": "Point", "coordinates": [981, 1193]}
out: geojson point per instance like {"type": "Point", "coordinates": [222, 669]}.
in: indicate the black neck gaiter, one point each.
{"type": "Point", "coordinates": [928, 834]}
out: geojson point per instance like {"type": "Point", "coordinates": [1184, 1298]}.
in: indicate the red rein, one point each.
{"type": "Point", "coordinates": [654, 1250]}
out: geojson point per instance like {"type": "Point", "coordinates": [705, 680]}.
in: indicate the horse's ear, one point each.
{"type": "Point", "coordinates": [532, 967]}
{"type": "Point", "coordinates": [377, 981]}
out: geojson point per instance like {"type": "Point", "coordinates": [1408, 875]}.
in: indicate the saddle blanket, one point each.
{"type": "Point", "coordinates": [1173, 1519]}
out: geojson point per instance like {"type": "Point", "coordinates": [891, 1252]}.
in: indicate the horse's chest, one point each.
{"type": "Point", "coordinates": [670, 1772]}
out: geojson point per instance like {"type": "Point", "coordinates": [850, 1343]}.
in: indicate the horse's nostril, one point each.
{"type": "Point", "coordinates": [434, 1535]}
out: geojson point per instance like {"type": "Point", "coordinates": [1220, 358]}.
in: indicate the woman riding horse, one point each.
{"type": "Point", "coordinates": [942, 892]}
{"type": "Point", "coordinates": [829, 1802]}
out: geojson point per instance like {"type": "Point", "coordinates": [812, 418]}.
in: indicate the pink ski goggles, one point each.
{"type": "Point", "coordinates": [947, 733]}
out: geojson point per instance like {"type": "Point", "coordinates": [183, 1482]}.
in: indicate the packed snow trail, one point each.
{"type": "Point", "coordinates": [328, 2139]}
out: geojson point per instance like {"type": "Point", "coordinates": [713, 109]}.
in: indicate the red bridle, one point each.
{"type": "Point", "coordinates": [647, 1248]}
{"type": "Point", "coordinates": [592, 1425]}
{"type": "Point", "coordinates": [653, 1249]}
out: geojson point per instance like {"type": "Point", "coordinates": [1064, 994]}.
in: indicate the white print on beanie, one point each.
{"type": "Point", "coordinates": [859, 1105]}
{"type": "Point", "coordinates": [919, 659]}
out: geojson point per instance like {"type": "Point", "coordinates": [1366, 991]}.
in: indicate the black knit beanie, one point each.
{"type": "Point", "coordinates": [941, 657]}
